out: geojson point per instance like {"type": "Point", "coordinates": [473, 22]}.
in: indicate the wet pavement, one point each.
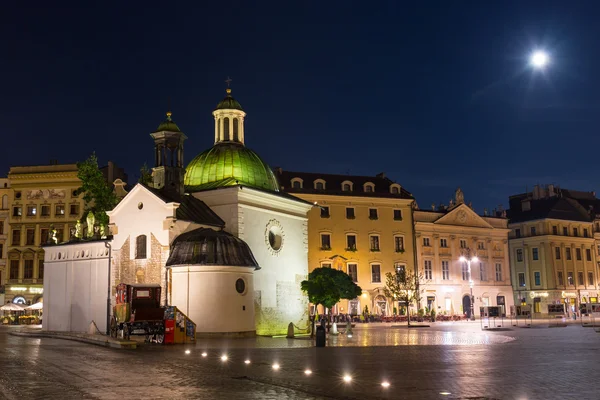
{"type": "Point", "coordinates": [445, 361]}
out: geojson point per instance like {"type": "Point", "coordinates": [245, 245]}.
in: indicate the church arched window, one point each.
{"type": "Point", "coordinates": [140, 247]}
{"type": "Point", "coordinates": [226, 128]}
{"type": "Point", "coordinates": [236, 130]}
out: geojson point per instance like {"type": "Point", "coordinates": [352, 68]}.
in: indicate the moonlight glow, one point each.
{"type": "Point", "coordinates": [539, 59]}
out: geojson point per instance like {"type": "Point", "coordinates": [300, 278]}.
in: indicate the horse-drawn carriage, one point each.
{"type": "Point", "coordinates": [138, 312]}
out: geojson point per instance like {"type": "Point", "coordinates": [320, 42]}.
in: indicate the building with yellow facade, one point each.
{"type": "Point", "coordinates": [5, 200]}
{"type": "Point", "coordinates": [42, 197]}
{"type": "Point", "coordinates": [554, 247]}
{"type": "Point", "coordinates": [361, 225]}
{"type": "Point", "coordinates": [446, 234]}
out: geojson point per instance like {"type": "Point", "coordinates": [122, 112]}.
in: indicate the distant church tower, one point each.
{"type": "Point", "coordinates": [168, 171]}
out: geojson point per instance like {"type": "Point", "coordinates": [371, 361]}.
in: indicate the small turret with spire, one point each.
{"type": "Point", "coordinates": [168, 171]}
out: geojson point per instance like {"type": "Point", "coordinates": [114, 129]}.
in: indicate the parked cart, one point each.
{"type": "Point", "coordinates": [138, 312]}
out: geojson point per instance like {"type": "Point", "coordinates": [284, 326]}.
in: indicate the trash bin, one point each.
{"type": "Point", "coordinates": [320, 335]}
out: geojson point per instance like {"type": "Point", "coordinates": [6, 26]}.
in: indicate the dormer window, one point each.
{"type": "Point", "coordinates": [297, 183]}
{"type": "Point", "coordinates": [369, 187]}
{"type": "Point", "coordinates": [395, 189]}
{"type": "Point", "coordinates": [319, 184]}
{"type": "Point", "coordinates": [347, 186]}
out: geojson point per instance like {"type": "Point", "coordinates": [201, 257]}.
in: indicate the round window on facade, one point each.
{"type": "Point", "coordinates": [140, 205]}
{"type": "Point", "coordinates": [275, 239]}
{"type": "Point", "coordinates": [240, 286]}
{"type": "Point", "coordinates": [274, 236]}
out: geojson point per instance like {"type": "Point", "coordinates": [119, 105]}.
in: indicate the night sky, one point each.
{"type": "Point", "coordinates": [435, 94]}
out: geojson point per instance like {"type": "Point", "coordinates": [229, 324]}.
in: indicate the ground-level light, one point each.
{"type": "Point", "coordinates": [224, 357]}
{"type": "Point", "coordinates": [247, 362]}
{"type": "Point", "coordinates": [275, 366]}
{"type": "Point", "coordinates": [385, 384]}
{"type": "Point", "coordinates": [347, 378]}
{"type": "Point", "coordinates": [204, 354]}
{"type": "Point", "coordinates": [307, 372]}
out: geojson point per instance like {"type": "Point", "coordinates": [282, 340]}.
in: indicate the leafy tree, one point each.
{"type": "Point", "coordinates": [97, 193]}
{"type": "Point", "coordinates": [327, 286]}
{"type": "Point", "coordinates": [145, 175]}
{"type": "Point", "coordinates": [404, 285]}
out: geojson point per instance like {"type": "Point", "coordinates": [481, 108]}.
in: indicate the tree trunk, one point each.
{"type": "Point", "coordinates": [408, 311]}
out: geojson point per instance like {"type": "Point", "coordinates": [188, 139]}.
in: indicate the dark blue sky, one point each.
{"type": "Point", "coordinates": [437, 95]}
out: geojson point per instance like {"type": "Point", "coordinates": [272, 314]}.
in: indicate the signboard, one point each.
{"type": "Point", "coordinates": [556, 309]}
{"type": "Point", "coordinates": [491, 311]}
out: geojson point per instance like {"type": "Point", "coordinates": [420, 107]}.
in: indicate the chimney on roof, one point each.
{"type": "Point", "coordinates": [536, 192]}
{"type": "Point", "coordinates": [380, 175]}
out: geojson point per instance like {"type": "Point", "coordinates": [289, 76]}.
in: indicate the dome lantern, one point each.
{"type": "Point", "coordinates": [229, 119]}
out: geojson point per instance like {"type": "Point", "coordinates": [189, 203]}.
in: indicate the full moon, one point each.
{"type": "Point", "coordinates": [539, 59]}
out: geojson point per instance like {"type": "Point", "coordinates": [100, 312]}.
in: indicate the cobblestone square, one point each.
{"type": "Point", "coordinates": [446, 361]}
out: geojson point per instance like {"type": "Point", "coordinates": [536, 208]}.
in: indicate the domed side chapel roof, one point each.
{"type": "Point", "coordinates": [205, 246]}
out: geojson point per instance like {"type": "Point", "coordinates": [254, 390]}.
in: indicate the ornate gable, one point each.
{"type": "Point", "coordinates": [462, 215]}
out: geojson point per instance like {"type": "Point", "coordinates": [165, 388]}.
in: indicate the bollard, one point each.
{"type": "Point", "coordinates": [290, 332]}
{"type": "Point", "coordinates": [320, 337]}
{"type": "Point", "coordinates": [349, 329]}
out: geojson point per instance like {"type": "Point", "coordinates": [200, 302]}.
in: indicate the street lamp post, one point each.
{"type": "Point", "coordinates": [468, 258]}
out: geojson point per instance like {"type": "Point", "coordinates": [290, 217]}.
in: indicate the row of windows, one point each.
{"type": "Point", "coordinates": [351, 242]}
{"type": "Point", "coordinates": [537, 279]}
{"type": "Point", "coordinates": [535, 254]}
{"type": "Point", "coordinates": [30, 236]}
{"type": "Point", "coordinates": [444, 243]}
{"type": "Point", "coordinates": [226, 133]}
{"type": "Point", "coordinates": [352, 270]}
{"type": "Point", "coordinates": [347, 186]}
{"type": "Point", "coordinates": [32, 210]}
{"type": "Point", "coordinates": [351, 214]}
{"type": "Point", "coordinates": [27, 269]}
{"type": "Point", "coordinates": [555, 231]}
{"type": "Point", "coordinates": [483, 276]}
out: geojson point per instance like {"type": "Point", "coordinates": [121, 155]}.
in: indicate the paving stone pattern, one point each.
{"type": "Point", "coordinates": [455, 358]}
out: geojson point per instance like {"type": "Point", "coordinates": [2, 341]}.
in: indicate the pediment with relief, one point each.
{"type": "Point", "coordinates": [463, 216]}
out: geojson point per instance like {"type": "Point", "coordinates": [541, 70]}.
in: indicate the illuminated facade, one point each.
{"type": "Point", "coordinates": [5, 201]}
{"type": "Point", "coordinates": [227, 187]}
{"type": "Point", "coordinates": [554, 248]}
{"type": "Point", "coordinates": [443, 235]}
{"type": "Point", "coordinates": [41, 197]}
{"type": "Point", "coordinates": [361, 225]}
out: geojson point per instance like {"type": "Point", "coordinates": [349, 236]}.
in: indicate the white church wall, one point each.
{"type": "Point", "coordinates": [75, 286]}
{"type": "Point", "coordinates": [208, 296]}
{"type": "Point", "coordinates": [141, 213]}
{"type": "Point", "coordinates": [277, 284]}
{"type": "Point", "coordinates": [277, 295]}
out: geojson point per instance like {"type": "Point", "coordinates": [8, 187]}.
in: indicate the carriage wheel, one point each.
{"type": "Point", "coordinates": [113, 327]}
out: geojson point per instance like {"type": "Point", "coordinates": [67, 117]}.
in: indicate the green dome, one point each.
{"type": "Point", "coordinates": [168, 125]}
{"type": "Point", "coordinates": [228, 164]}
{"type": "Point", "coordinates": [229, 103]}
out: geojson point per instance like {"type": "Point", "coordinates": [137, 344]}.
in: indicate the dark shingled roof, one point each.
{"type": "Point", "coordinates": [568, 205]}
{"type": "Point", "coordinates": [333, 184]}
{"type": "Point", "coordinates": [206, 246]}
{"type": "Point", "coordinates": [190, 208]}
